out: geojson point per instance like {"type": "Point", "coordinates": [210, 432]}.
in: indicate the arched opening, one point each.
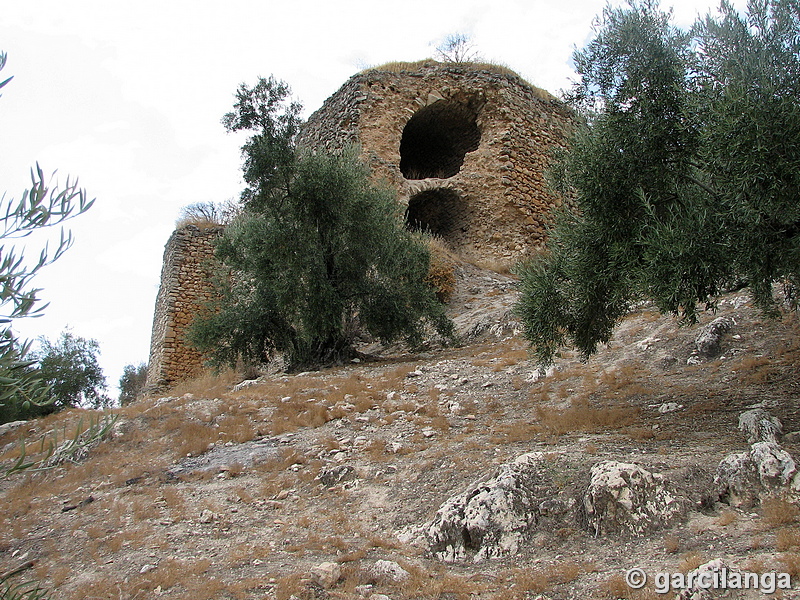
{"type": "Point", "coordinates": [436, 140]}
{"type": "Point", "coordinates": [439, 212]}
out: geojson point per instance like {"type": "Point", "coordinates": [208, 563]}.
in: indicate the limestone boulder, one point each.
{"type": "Point", "coordinates": [625, 498]}
{"type": "Point", "coordinates": [495, 517]}
{"type": "Point", "coordinates": [760, 426]}
{"type": "Point", "coordinates": [743, 478]}
{"type": "Point", "coordinates": [709, 340]}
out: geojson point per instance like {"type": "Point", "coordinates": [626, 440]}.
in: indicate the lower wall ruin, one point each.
{"type": "Point", "coordinates": [185, 287]}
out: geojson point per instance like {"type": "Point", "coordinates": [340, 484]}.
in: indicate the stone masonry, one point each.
{"type": "Point", "coordinates": [465, 146]}
{"type": "Point", "coordinates": [185, 287]}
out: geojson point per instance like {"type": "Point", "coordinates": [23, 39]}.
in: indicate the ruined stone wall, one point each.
{"type": "Point", "coordinates": [185, 287]}
{"type": "Point", "coordinates": [466, 148]}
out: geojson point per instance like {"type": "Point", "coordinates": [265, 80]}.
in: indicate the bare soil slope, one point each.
{"type": "Point", "coordinates": [215, 493]}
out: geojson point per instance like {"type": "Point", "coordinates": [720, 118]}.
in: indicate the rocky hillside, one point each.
{"type": "Point", "coordinates": [453, 473]}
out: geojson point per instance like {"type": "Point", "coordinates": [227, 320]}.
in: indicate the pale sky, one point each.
{"type": "Point", "coordinates": [128, 97]}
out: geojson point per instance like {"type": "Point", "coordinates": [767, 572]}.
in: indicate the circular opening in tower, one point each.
{"type": "Point", "coordinates": [436, 140]}
{"type": "Point", "coordinates": [439, 212]}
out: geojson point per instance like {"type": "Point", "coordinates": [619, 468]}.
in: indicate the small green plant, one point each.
{"type": "Point", "coordinates": [26, 590]}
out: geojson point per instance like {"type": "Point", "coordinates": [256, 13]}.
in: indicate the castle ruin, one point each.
{"type": "Point", "coordinates": [465, 146]}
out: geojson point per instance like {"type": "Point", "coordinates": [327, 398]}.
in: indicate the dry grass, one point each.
{"type": "Point", "coordinates": [581, 416]}
{"type": "Point", "coordinates": [199, 222]}
{"type": "Point", "coordinates": [515, 431]}
{"type": "Point", "coordinates": [777, 511]}
{"type": "Point", "coordinates": [787, 539]}
{"type": "Point", "coordinates": [442, 269]}
{"type": "Point", "coordinates": [690, 561]}
{"type": "Point", "coordinates": [791, 564]}
{"type": "Point", "coordinates": [208, 385]}
{"type": "Point", "coordinates": [500, 69]}
{"type": "Point", "coordinates": [726, 518]}
{"type": "Point", "coordinates": [672, 544]}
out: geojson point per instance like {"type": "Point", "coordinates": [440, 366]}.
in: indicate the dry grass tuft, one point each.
{"type": "Point", "coordinates": [672, 544]}
{"type": "Point", "coordinates": [726, 518]}
{"type": "Point", "coordinates": [690, 561]}
{"type": "Point", "coordinates": [791, 564]}
{"type": "Point", "coordinates": [787, 539]}
{"type": "Point", "coordinates": [442, 269]}
{"type": "Point", "coordinates": [777, 511]}
{"type": "Point", "coordinates": [581, 416]}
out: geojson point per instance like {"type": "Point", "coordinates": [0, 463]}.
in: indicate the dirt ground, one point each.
{"type": "Point", "coordinates": [212, 493]}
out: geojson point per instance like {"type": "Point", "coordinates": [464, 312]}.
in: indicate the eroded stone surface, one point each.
{"type": "Point", "coordinates": [709, 339]}
{"type": "Point", "coordinates": [626, 498]}
{"type": "Point", "coordinates": [759, 426]}
{"type": "Point", "coordinates": [493, 518]}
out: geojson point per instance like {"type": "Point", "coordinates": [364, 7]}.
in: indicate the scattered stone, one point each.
{"type": "Point", "coordinates": [207, 516]}
{"type": "Point", "coordinates": [326, 574]}
{"type": "Point", "coordinates": [7, 427]}
{"type": "Point", "coordinates": [709, 339]}
{"type": "Point", "coordinates": [246, 384]}
{"type": "Point", "coordinates": [384, 570]}
{"type": "Point", "coordinates": [394, 447]}
{"type": "Point", "coordinates": [646, 343]}
{"type": "Point", "coordinates": [669, 407]}
{"type": "Point", "coordinates": [759, 426]}
{"type": "Point", "coordinates": [626, 498]}
{"type": "Point", "coordinates": [147, 569]}
{"type": "Point", "coordinates": [332, 476]}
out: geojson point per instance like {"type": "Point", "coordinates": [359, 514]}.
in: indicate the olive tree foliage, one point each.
{"type": "Point", "coordinates": [317, 253]}
{"type": "Point", "coordinates": [70, 366]}
{"type": "Point", "coordinates": [683, 178]}
{"type": "Point", "coordinates": [132, 382]}
{"type": "Point", "coordinates": [43, 205]}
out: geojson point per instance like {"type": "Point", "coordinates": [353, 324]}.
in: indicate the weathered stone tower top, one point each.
{"type": "Point", "coordinates": [466, 146]}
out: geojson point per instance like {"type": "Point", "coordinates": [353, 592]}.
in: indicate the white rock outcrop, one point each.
{"type": "Point", "coordinates": [626, 498]}
{"type": "Point", "coordinates": [491, 518]}
{"type": "Point", "coordinates": [742, 478]}
{"type": "Point", "coordinates": [760, 426]}
{"type": "Point", "coordinates": [709, 340]}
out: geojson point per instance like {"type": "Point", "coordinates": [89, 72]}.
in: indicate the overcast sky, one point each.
{"type": "Point", "coordinates": [128, 97]}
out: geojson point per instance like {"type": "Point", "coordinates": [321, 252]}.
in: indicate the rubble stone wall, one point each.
{"type": "Point", "coordinates": [466, 148]}
{"type": "Point", "coordinates": [185, 287]}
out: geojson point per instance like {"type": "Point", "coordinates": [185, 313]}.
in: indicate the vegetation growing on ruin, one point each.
{"type": "Point", "coordinates": [317, 255]}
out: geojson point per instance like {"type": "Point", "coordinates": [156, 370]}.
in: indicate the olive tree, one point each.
{"type": "Point", "coordinates": [683, 178]}
{"type": "Point", "coordinates": [318, 252]}
{"type": "Point", "coordinates": [44, 205]}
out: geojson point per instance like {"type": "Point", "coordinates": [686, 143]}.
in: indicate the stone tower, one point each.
{"type": "Point", "coordinates": [465, 146]}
